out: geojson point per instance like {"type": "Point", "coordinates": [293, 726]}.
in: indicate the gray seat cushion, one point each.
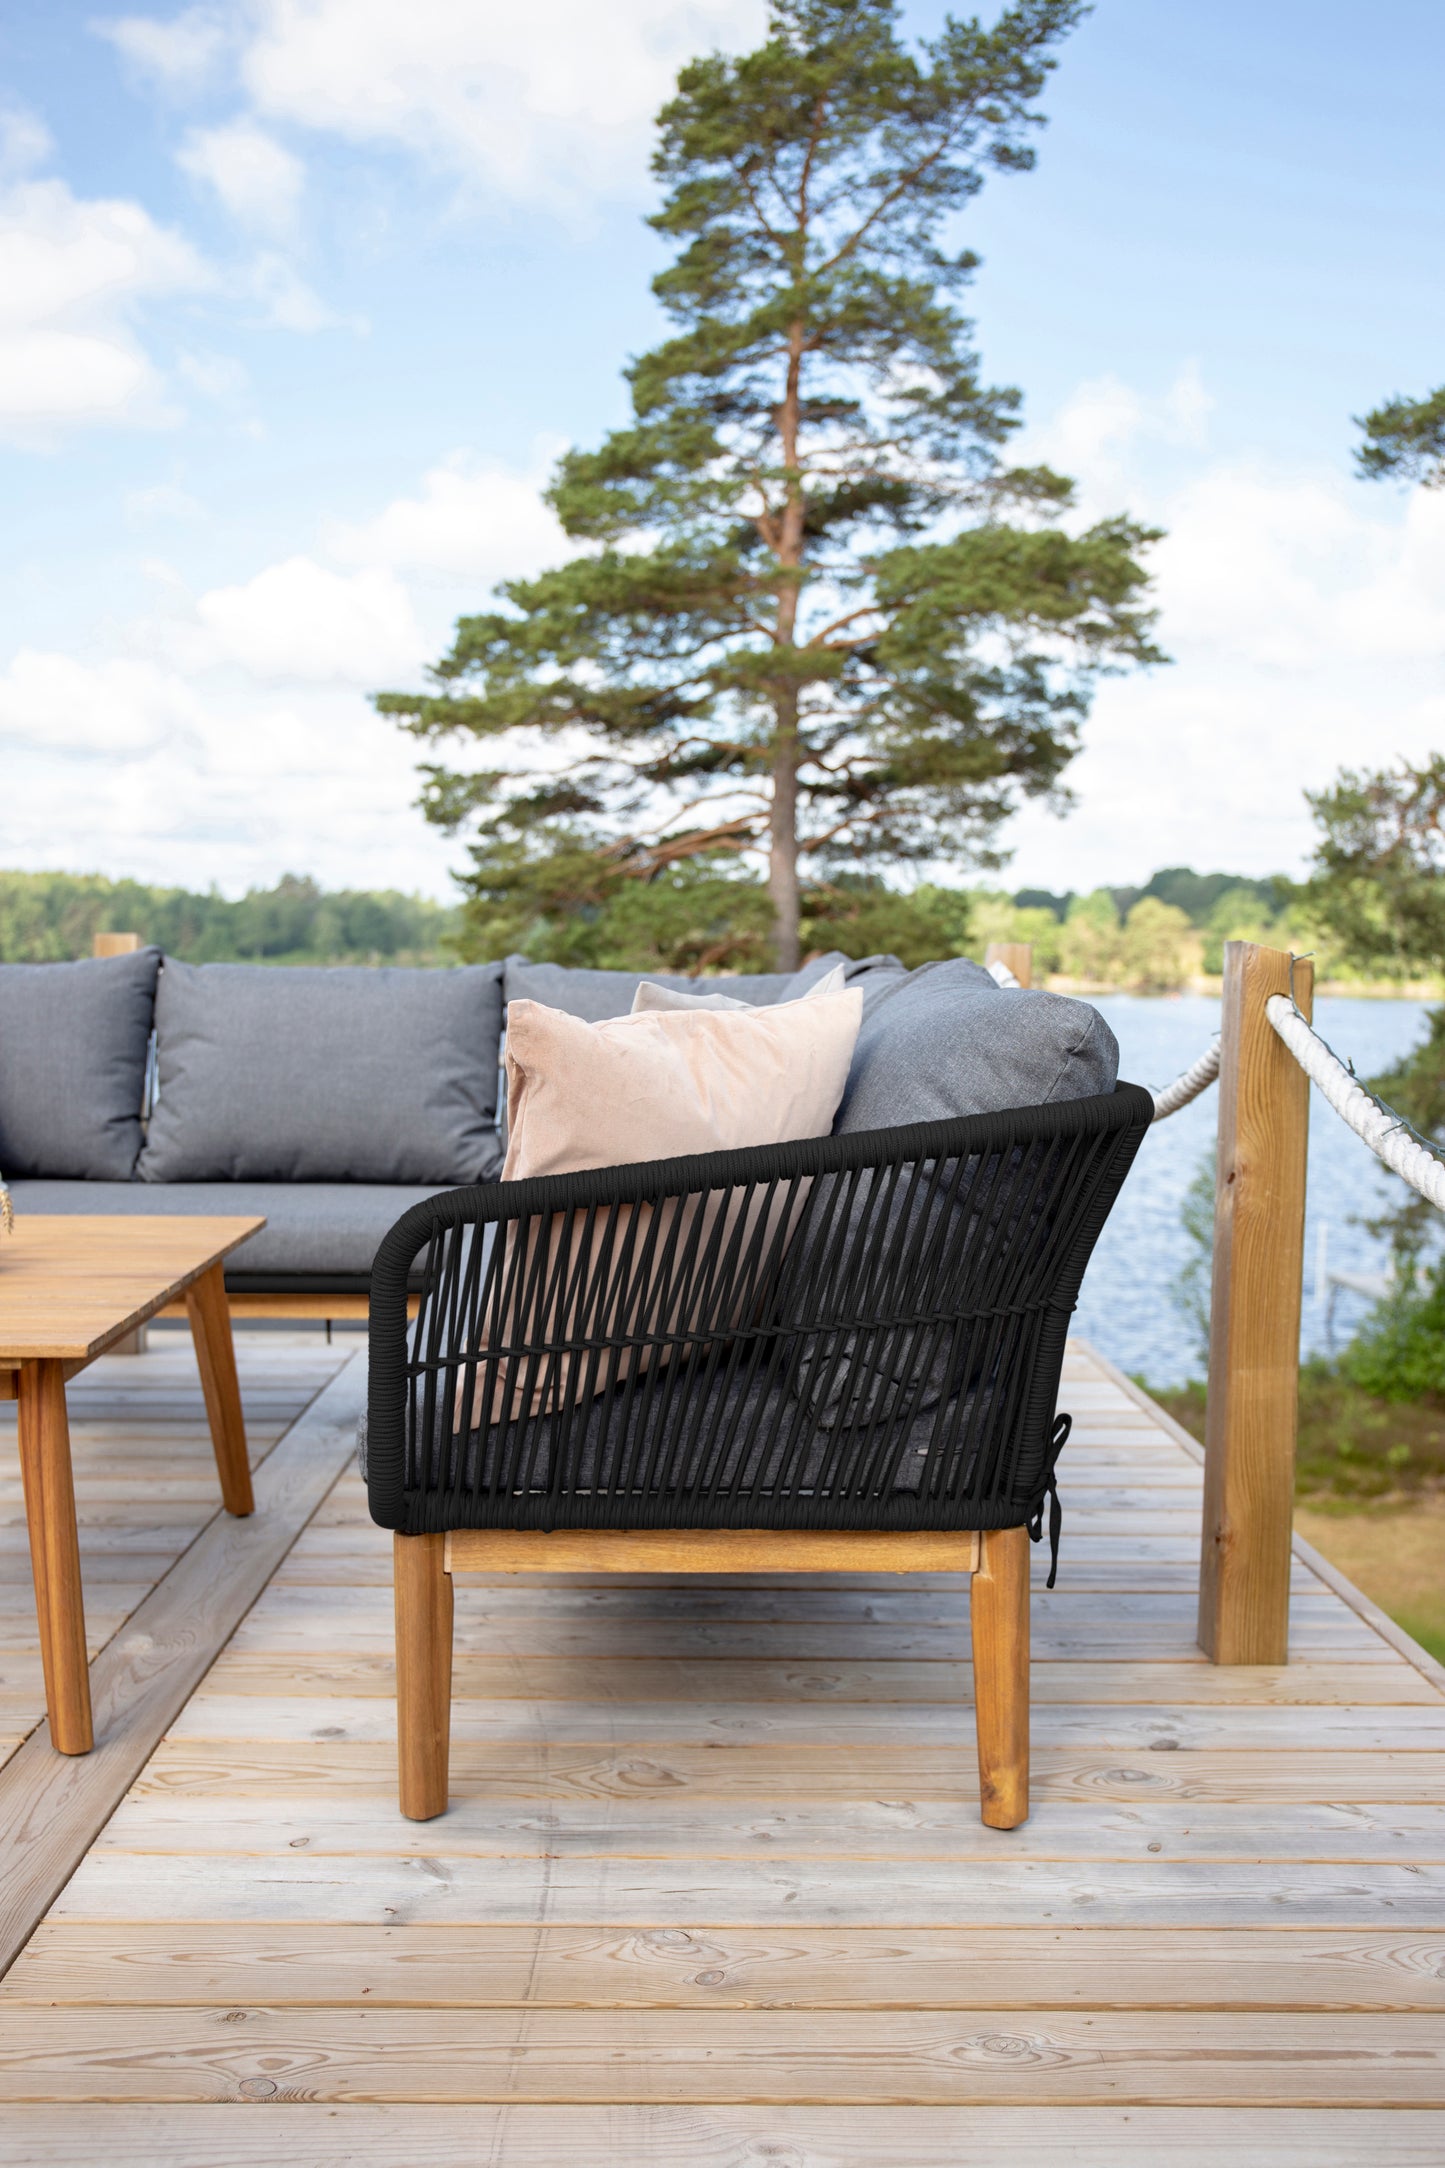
{"type": "Point", "coordinates": [314, 1230]}
{"type": "Point", "coordinates": [945, 1041]}
{"type": "Point", "coordinates": [594, 995]}
{"type": "Point", "coordinates": [73, 1040]}
{"type": "Point", "coordinates": [308, 1074]}
{"type": "Point", "coordinates": [715, 1432]}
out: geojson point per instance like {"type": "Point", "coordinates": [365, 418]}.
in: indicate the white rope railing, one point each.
{"type": "Point", "coordinates": [1375, 1125]}
{"type": "Point", "coordinates": [1195, 1079]}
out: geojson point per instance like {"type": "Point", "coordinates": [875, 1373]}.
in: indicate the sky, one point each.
{"type": "Point", "coordinates": [300, 299]}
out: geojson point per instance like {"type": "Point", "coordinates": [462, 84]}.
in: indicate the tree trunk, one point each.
{"type": "Point", "coordinates": [783, 862]}
{"type": "Point", "coordinates": [783, 820]}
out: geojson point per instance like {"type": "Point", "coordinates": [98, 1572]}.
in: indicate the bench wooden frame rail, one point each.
{"type": "Point", "coordinates": [997, 1560]}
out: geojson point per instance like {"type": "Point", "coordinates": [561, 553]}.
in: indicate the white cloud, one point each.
{"type": "Point", "coordinates": [1306, 616]}
{"type": "Point", "coordinates": [25, 142]}
{"type": "Point", "coordinates": [230, 739]}
{"type": "Point", "coordinates": [56, 704]}
{"type": "Point", "coordinates": [299, 620]}
{"type": "Point", "coordinates": [162, 501]}
{"type": "Point", "coordinates": [125, 767]}
{"type": "Point", "coordinates": [546, 102]}
{"type": "Point", "coordinates": [257, 179]}
{"type": "Point", "coordinates": [1097, 436]}
{"type": "Point", "coordinates": [218, 376]}
{"type": "Point", "coordinates": [71, 274]}
{"type": "Point", "coordinates": [181, 54]}
{"type": "Point", "coordinates": [289, 303]}
{"type": "Point", "coordinates": [479, 524]}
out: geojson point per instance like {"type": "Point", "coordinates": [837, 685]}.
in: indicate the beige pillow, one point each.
{"type": "Point", "coordinates": [660, 1083]}
{"type": "Point", "coordinates": [649, 996]}
{"type": "Point", "coordinates": [653, 1085]}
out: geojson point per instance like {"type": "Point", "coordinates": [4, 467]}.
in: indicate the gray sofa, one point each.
{"type": "Point", "coordinates": [333, 1099]}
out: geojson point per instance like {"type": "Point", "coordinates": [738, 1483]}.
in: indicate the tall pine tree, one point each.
{"type": "Point", "coordinates": [819, 618]}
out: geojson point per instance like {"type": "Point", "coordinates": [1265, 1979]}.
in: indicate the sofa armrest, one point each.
{"type": "Point", "coordinates": [627, 1345]}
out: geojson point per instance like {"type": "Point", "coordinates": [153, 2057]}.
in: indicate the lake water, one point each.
{"type": "Point", "coordinates": [1126, 1308]}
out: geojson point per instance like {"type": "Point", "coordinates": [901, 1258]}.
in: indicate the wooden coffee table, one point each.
{"type": "Point", "coordinates": [70, 1287]}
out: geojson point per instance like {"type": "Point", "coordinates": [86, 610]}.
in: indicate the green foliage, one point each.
{"type": "Point", "coordinates": [1405, 438]}
{"type": "Point", "coordinates": [1377, 885]}
{"type": "Point", "coordinates": [50, 917]}
{"type": "Point", "coordinates": [552, 896]}
{"type": "Point", "coordinates": [1201, 896]}
{"type": "Point", "coordinates": [1152, 949]}
{"type": "Point", "coordinates": [996, 917]}
{"type": "Point", "coordinates": [566, 903]}
{"type": "Point", "coordinates": [1044, 899]}
{"type": "Point", "coordinates": [1355, 1446]}
{"type": "Point", "coordinates": [863, 917]}
{"type": "Point", "coordinates": [819, 617]}
{"type": "Point", "coordinates": [1189, 1291]}
{"type": "Point", "coordinates": [1399, 1352]}
{"type": "Point", "coordinates": [1378, 892]}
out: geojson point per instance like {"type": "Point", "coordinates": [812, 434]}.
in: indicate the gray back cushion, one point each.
{"type": "Point", "coordinates": [302, 1074]}
{"type": "Point", "coordinates": [73, 1041]}
{"type": "Point", "coordinates": [594, 995]}
{"type": "Point", "coordinates": [945, 1041]}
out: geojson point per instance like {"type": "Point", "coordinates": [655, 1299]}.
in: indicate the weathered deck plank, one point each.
{"type": "Point", "coordinates": [716, 1844]}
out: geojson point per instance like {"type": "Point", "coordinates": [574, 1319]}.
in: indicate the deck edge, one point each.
{"type": "Point", "coordinates": [52, 1807]}
{"type": "Point", "coordinates": [1361, 1604]}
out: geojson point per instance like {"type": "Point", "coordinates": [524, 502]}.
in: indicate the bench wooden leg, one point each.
{"type": "Point", "coordinates": [210, 1317]}
{"type": "Point", "coordinates": [55, 1553]}
{"type": "Point", "coordinates": [999, 1607]}
{"type": "Point", "coordinates": [423, 1673]}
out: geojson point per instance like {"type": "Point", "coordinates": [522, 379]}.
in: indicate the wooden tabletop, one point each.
{"type": "Point", "coordinates": [70, 1283]}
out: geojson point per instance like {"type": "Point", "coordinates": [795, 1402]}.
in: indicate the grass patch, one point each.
{"type": "Point", "coordinates": [1354, 1448]}
{"type": "Point", "coordinates": [1371, 1486]}
{"type": "Point", "coordinates": [1393, 1552]}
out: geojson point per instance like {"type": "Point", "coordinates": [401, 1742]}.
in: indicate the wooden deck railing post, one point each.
{"type": "Point", "coordinates": [1018, 956]}
{"type": "Point", "coordinates": [1259, 1212]}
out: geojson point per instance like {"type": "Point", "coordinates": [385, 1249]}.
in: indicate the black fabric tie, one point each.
{"type": "Point", "coordinates": [1063, 1424]}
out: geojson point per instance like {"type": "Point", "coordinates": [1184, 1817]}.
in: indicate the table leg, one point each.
{"type": "Point", "coordinates": [55, 1554]}
{"type": "Point", "coordinates": [210, 1317]}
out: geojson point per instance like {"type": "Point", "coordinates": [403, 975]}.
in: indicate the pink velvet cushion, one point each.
{"type": "Point", "coordinates": [658, 1084]}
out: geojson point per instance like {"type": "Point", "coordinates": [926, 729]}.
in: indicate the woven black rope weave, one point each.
{"type": "Point", "coordinates": [850, 1332]}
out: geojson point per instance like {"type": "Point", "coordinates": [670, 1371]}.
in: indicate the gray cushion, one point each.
{"type": "Point", "coordinates": [712, 1430]}
{"type": "Point", "coordinates": [594, 995]}
{"type": "Point", "coordinates": [945, 1041]}
{"type": "Point", "coordinates": [303, 1074]}
{"type": "Point", "coordinates": [73, 1041]}
{"type": "Point", "coordinates": [313, 1230]}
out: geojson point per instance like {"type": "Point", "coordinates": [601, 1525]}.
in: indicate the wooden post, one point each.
{"type": "Point", "coordinates": [121, 944]}
{"type": "Point", "coordinates": [998, 1604]}
{"type": "Point", "coordinates": [1259, 1218]}
{"type": "Point", "coordinates": [1016, 956]}
{"type": "Point", "coordinates": [423, 1673]}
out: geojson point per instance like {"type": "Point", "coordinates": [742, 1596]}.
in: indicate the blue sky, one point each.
{"type": "Point", "coordinates": [298, 298]}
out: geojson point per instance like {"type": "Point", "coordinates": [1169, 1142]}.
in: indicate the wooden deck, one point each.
{"type": "Point", "coordinates": [712, 1888]}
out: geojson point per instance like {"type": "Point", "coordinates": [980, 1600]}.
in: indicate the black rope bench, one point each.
{"type": "Point", "coordinates": [836, 1355]}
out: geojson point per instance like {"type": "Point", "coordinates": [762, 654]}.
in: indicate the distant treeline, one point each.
{"type": "Point", "coordinates": [1198, 895]}
{"type": "Point", "coordinates": [1160, 937]}
{"type": "Point", "coordinates": [50, 917]}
